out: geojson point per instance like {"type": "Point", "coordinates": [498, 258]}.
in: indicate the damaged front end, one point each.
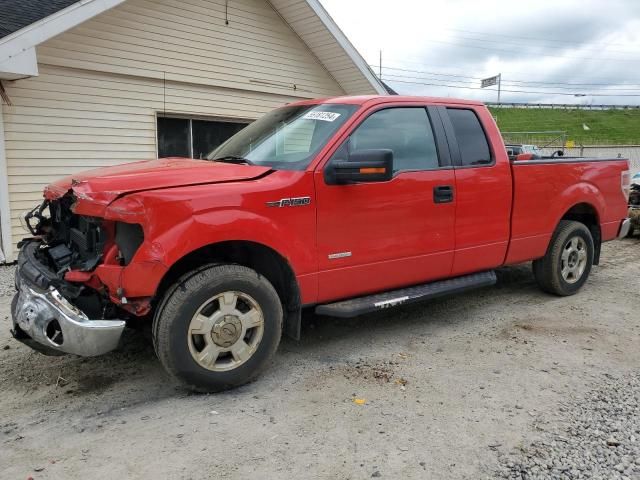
{"type": "Point", "coordinates": [73, 242]}
{"type": "Point", "coordinates": [61, 305]}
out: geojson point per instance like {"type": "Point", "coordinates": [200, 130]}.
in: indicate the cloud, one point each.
{"type": "Point", "coordinates": [544, 46]}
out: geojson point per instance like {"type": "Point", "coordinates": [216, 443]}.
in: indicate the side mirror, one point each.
{"type": "Point", "coordinates": [362, 166]}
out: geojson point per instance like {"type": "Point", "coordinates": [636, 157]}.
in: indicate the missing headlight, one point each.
{"type": "Point", "coordinates": [129, 237]}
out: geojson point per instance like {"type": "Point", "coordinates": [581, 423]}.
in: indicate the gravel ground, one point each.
{"type": "Point", "coordinates": [458, 388]}
{"type": "Point", "coordinates": [6, 280]}
{"type": "Point", "coordinates": [597, 437]}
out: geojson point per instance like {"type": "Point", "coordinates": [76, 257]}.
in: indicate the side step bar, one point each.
{"type": "Point", "coordinates": [419, 293]}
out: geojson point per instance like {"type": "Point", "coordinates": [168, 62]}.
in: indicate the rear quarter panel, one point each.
{"type": "Point", "coordinates": [545, 191]}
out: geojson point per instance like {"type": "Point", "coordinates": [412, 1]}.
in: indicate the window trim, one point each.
{"type": "Point", "coordinates": [191, 118]}
{"type": "Point", "coordinates": [444, 154]}
{"type": "Point", "coordinates": [452, 140]}
{"type": "Point", "coordinates": [206, 118]}
{"type": "Point", "coordinates": [444, 159]}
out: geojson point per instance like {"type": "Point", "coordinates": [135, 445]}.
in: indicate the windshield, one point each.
{"type": "Point", "coordinates": [287, 138]}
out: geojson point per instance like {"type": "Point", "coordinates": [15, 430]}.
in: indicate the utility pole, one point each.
{"type": "Point", "coordinates": [380, 75]}
{"type": "Point", "coordinates": [499, 86]}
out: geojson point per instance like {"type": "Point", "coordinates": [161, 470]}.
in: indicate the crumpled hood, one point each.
{"type": "Point", "coordinates": [104, 185]}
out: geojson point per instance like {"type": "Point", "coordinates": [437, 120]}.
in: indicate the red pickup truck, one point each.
{"type": "Point", "coordinates": [348, 205]}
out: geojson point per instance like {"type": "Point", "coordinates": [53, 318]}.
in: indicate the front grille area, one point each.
{"type": "Point", "coordinates": [74, 241]}
{"type": "Point", "coordinates": [79, 239]}
{"type": "Point", "coordinates": [86, 242]}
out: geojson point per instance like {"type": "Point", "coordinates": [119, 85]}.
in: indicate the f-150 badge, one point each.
{"type": "Point", "coordinates": [291, 202]}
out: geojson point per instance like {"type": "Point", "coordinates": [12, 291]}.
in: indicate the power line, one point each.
{"type": "Point", "coordinates": [525, 38]}
{"type": "Point", "coordinates": [532, 45]}
{"type": "Point", "coordinates": [393, 76]}
{"type": "Point", "coordinates": [580, 84]}
{"type": "Point", "coordinates": [517, 91]}
{"type": "Point", "coordinates": [421, 64]}
{"type": "Point", "coordinates": [462, 45]}
{"type": "Point", "coordinates": [441, 74]}
{"type": "Point", "coordinates": [430, 73]}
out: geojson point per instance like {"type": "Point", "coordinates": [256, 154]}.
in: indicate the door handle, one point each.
{"type": "Point", "coordinates": [443, 194]}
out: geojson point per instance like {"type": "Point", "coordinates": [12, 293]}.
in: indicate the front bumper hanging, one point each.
{"type": "Point", "coordinates": [44, 320]}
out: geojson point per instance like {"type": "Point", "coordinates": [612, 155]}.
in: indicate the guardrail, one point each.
{"type": "Point", "coordinates": [561, 106]}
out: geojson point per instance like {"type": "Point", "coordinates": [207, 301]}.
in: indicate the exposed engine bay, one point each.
{"type": "Point", "coordinates": [65, 242]}
{"type": "Point", "coordinates": [73, 241]}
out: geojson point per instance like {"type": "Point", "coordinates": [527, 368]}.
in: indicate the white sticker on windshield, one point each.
{"type": "Point", "coordinates": [323, 116]}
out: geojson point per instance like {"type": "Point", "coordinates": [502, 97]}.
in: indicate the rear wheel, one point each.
{"type": "Point", "coordinates": [217, 328]}
{"type": "Point", "coordinates": [568, 261]}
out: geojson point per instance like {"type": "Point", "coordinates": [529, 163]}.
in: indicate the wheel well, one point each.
{"type": "Point", "coordinates": [264, 260]}
{"type": "Point", "coordinates": [587, 215]}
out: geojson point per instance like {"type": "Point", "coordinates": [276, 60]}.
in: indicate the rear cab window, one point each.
{"type": "Point", "coordinates": [471, 138]}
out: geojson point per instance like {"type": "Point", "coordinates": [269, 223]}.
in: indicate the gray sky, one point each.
{"type": "Point", "coordinates": [563, 46]}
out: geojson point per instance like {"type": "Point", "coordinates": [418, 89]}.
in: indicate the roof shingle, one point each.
{"type": "Point", "coordinates": [17, 14]}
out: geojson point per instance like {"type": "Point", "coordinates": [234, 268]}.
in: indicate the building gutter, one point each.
{"type": "Point", "coordinates": [5, 211]}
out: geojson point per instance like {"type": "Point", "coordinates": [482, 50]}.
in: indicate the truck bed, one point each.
{"type": "Point", "coordinates": [544, 190]}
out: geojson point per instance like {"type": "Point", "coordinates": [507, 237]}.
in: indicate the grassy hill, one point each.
{"type": "Point", "coordinates": [606, 127]}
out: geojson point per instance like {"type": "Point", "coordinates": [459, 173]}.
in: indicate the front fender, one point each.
{"type": "Point", "coordinates": [178, 222]}
{"type": "Point", "coordinates": [214, 227]}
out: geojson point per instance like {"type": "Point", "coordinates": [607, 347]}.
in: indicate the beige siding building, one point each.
{"type": "Point", "coordinates": [101, 82]}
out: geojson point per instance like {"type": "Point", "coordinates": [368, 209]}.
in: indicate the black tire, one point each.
{"type": "Point", "coordinates": [548, 270]}
{"type": "Point", "coordinates": [171, 337]}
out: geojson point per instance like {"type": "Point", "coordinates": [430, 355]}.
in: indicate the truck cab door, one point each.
{"type": "Point", "coordinates": [484, 189]}
{"type": "Point", "coordinates": [377, 236]}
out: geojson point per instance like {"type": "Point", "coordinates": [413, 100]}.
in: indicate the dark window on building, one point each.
{"type": "Point", "coordinates": [173, 137]}
{"type": "Point", "coordinates": [184, 137]}
{"type": "Point", "coordinates": [472, 141]}
{"type": "Point", "coordinates": [207, 136]}
{"type": "Point", "coordinates": [406, 131]}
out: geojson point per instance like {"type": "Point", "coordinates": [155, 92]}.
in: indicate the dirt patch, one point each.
{"type": "Point", "coordinates": [556, 329]}
{"type": "Point", "coordinates": [359, 372]}
{"type": "Point", "coordinates": [546, 327]}
{"type": "Point", "coordinates": [93, 384]}
{"type": "Point", "coordinates": [365, 372]}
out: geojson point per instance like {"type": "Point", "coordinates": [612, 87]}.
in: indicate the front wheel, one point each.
{"type": "Point", "coordinates": [568, 261]}
{"type": "Point", "coordinates": [217, 328]}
